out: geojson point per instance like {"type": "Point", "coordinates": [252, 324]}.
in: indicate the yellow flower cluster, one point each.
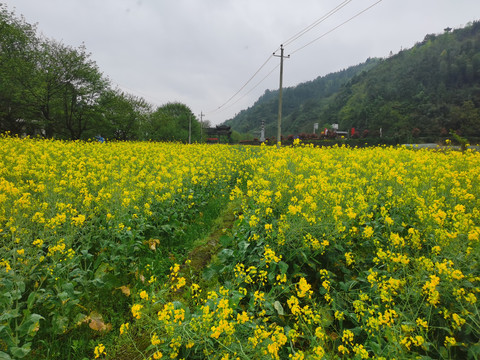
{"type": "Point", "coordinates": [408, 220]}
{"type": "Point", "coordinates": [270, 256]}
{"type": "Point", "coordinates": [430, 289]}
{"type": "Point", "coordinates": [100, 351]}
{"type": "Point", "coordinates": [4, 263]}
{"type": "Point", "coordinates": [57, 188]}
{"type": "Point", "coordinates": [136, 311]}
{"type": "Point", "coordinates": [177, 281]}
{"type": "Point", "coordinates": [371, 247]}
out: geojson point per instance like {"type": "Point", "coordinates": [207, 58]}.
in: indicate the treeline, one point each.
{"type": "Point", "coordinates": [423, 92]}
{"type": "Point", "coordinates": [53, 90]}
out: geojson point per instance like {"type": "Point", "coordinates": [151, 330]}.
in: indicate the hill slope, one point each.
{"type": "Point", "coordinates": [299, 102]}
{"type": "Point", "coordinates": [423, 91]}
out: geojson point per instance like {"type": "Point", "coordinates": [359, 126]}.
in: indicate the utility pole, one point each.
{"type": "Point", "coordinates": [279, 124]}
{"type": "Point", "coordinates": [262, 132]}
{"type": "Point", "coordinates": [201, 125]}
{"type": "Point", "coordinates": [190, 128]}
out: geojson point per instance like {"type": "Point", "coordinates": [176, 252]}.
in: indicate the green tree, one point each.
{"type": "Point", "coordinates": [17, 39]}
{"type": "Point", "coordinates": [465, 118]}
{"type": "Point", "coordinates": [122, 115]}
{"type": "Point", "coordinates": [171, 122]}
{"type": "Point", "coordinates": [56, 90]}
{"type": "Point", "coordinates": [67, 89]}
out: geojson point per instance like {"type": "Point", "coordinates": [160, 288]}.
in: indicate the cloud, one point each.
{"type": "Point", "coordinates": [202, 52]}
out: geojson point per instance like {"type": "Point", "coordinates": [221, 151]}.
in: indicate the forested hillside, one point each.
{"type": "Point", "coordinates": [425, 91]}
{"type": "Point", "coordinates": [301, 103]}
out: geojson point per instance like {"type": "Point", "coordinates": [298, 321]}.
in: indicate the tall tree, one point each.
{"type": "Point", "coordinates": [171, 122]}
{"type": "Point", "coordinates": [67, 89]}
{"type": "Point", "coordinates": [122, 114]}
{"type": "Point", "coordinates": [17, 40]}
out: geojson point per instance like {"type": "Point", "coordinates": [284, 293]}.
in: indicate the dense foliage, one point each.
{"type": "Point", "coordinates": [57, 91]}
{"type": "Point", "coordinates": [425, 91]}
{"type": "Point", "coordinates": [335, 253]}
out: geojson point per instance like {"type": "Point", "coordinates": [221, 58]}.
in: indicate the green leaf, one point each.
{"type": "Point", "coordinates": [63, 296]}
{"type": "Point", "coordinates": [237, 297]}
{"type": "Point", "coordinates": [178, 305]}
{"type": "Point", "coordinates": [59, 324]}
{"type": "Point", "coordinates": [31, 300]}
{"type": "Point", "coordinates": [444, 352]}
{"type": "Point", "coordinates": [474, 351]}
{"type": "Point", "coordinates": [243, 245]}
{"type": "Point", "coordinates": [225, 256]}
{"type": "Point", "coordinates": [102, 269]}
{"type": "Point", "coordinates": [9, 315]}
{"type": "Point", "coordinates": [4, 356]}
{"type": "Point", "coordinates": [29, 324]}
{"type": "Point", "coordinates": [210, 272]}
{"type": "Point", "coordinates": [377, 349]}
{"type": "Point", "coordinates": [283, 267]}
{"type": "Point", "coordinates": [20, 352]}
{"type": "Point", "coordinates": [69, 287]}
{"type": "Point", "coordinates": [21, 285]}
{"type": "Point", "coordinates": [226, 240]}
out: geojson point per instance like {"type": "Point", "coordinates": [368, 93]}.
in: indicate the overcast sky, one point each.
{"type": "Point", "coordinates": [201, 52]}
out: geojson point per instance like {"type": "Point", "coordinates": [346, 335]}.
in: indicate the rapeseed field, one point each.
{"type": "Point", "coordinates": [335, 253]}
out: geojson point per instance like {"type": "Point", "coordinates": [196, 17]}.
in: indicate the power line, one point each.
{"type": "Point", "coordinates": [243, 87]}
{"type": "Point", "coordinates": [316, 23]}
{"type": "Point", "coordinates": [336, 27]}
{"type": "Point", "coordinates": [254, 87]}
{"type": "Point", "coordinates": [289, 41]}
{"type": "Point", "coordinates": [262, 80]}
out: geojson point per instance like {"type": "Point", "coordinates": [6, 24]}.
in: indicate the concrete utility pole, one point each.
{"type": "Point", "coordinates": [279, 125]}
{"type": "Point", "coordinates": [201, 125]}
{"type": "Point", "coordinates": [190, 129]}
{"type": "Point", "coordinates": [262, 132]}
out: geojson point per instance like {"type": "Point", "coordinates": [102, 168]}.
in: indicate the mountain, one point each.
{"type": "Point", "coordinates": [425, 91]}
{"type": "Point", "coordinates": [300, 103]}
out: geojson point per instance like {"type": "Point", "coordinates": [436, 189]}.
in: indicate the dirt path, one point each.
{"type": "Point", "coordinates": [201, 255]}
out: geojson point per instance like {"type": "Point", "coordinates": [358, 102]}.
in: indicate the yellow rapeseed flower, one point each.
{"type": "Point", "coordinates": [136, 311]}
{"type": "Point", "coordinates": [99, 351]}
{"type": "Point", "coordinates": [144, 295]}
{"type": "Point", "coordinates": [157, 355]}
{"type": "Point", "coordinates": [155, 340]}
{"type": "Point", "coordinates": [124, 328]}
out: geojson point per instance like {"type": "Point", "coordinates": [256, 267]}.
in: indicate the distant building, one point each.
{"type": "Point", "coordinates": [220, 133]}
